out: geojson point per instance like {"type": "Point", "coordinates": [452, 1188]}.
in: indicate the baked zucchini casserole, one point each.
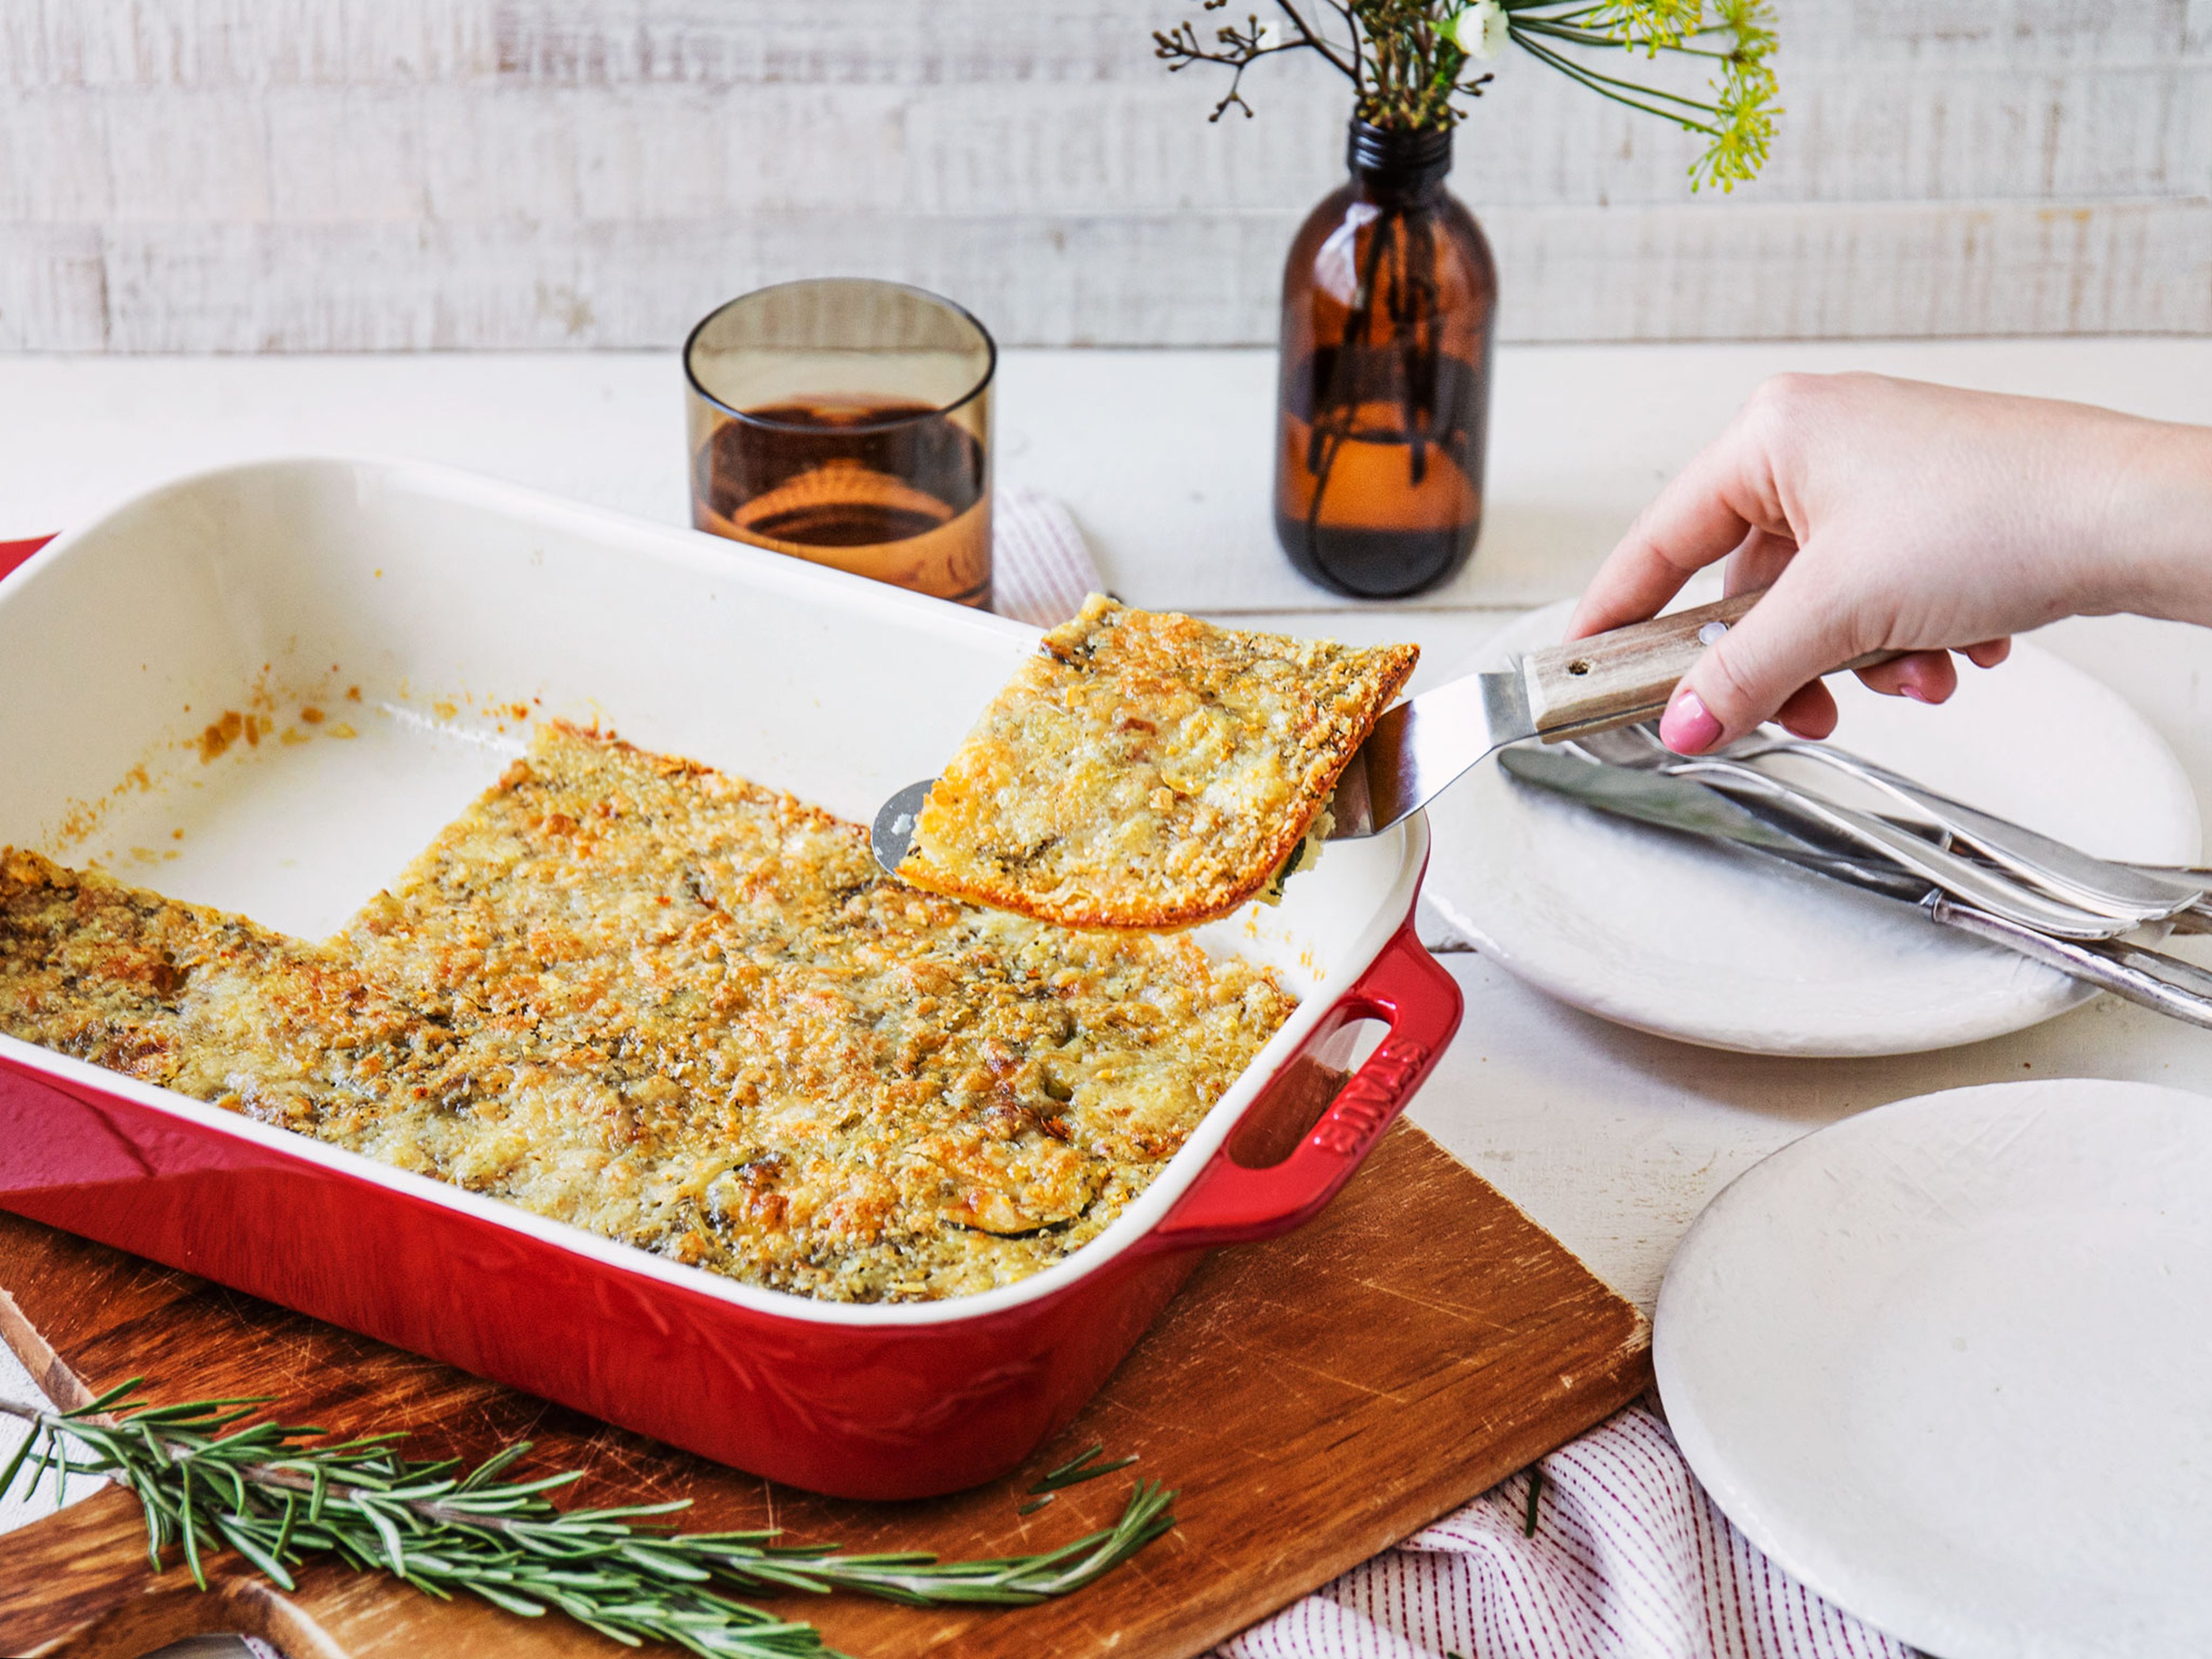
{"type": "Point", "coordinates": [1150, 770]}
{"type": "Point", "coordinates": [681, 1011]}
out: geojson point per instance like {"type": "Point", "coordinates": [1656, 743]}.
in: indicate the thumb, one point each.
{"type": "Point", "coordinates": [1788, 640]}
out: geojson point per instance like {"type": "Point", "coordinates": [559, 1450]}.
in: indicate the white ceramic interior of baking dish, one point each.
{"type": "Point", "coordinates": [429, 616]}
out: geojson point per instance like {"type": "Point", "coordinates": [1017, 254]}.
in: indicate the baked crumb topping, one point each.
{"type": "Point", "coordinates": [1148, 770]}
{"type": "Point", "coordinates": [682, 1010]}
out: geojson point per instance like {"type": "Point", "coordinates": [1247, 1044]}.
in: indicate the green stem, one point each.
{"type": "Point", "coordinates": [1592, 77]}
{"type": "Point", "coordinates": [1553, 30]}
{"type": "Point", "coordinates": [1603, 86]}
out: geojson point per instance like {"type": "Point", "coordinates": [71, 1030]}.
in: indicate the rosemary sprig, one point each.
{"type": "Point", "coordinates": [207, 1479]}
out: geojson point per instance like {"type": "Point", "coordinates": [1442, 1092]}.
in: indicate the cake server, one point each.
{"type": "Point", "coordinates": [1419, 747]}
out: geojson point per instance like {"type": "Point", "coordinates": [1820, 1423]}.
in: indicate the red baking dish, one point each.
{"type": "Point", "coordinates": [430, 615]}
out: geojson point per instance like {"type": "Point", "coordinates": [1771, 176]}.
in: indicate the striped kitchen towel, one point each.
{"type": "Point", "coordinates": [1040, 567]}
{"type": "Point", "coordinates": [1630, 1560]}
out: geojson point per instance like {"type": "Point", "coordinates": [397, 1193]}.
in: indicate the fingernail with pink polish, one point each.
{"type": "Point", "coordinates": [1688, 726]}
{"type": "Point", "coordinates": [1916, 693]}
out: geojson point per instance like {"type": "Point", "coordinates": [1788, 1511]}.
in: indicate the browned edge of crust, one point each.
{"type": "Point", "coordinates": [22, 870]}
{"type": "Point", "coordinates": [1165, 921]}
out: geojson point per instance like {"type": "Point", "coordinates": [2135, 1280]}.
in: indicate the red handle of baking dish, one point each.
{"type": "Point", "coordinates": [16, 553]}
{"type": "Point", "coordinates": [1230, 1204]}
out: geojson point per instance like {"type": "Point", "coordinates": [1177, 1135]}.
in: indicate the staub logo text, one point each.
{"type": "Point", "coordinates": [1364, 1105]}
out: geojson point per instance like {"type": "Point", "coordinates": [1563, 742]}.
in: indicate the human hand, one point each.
{"type": "Point", "coordinates": [1894, 515]}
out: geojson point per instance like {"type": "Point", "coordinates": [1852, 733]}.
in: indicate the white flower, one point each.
{"type": "Point", "coordinates": [1479, 30]}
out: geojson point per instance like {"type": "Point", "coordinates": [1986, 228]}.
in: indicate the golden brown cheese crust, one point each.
{"type": "Point", "coordinates": [206, 1003]}
{"type": "Point", "coordinates": [681, 1011]}
{"type": "Point", "coordinates": [1148, 770]}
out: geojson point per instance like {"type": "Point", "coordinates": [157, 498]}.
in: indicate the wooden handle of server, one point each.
{"type": "Point", "coordinates": [1616, 678]}
{"type": "Point", "coordinates": [1627, 675]}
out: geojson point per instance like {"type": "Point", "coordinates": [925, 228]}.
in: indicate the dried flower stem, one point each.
{"type": "Point", "coordinates": [1409, 71]}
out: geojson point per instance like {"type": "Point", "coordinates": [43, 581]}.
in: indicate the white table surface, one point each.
{"type": "Point", "coordinates": [1612, 1139]}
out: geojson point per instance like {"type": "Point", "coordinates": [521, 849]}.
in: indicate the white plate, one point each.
{"type": "Point", "coordinates": [1948, 1362]}
{"type": "Point", "coordinates": [1730, 950]}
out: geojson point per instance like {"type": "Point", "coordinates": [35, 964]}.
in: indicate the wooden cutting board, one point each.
{"type": "Point", "coordinates": [1314, 1399]}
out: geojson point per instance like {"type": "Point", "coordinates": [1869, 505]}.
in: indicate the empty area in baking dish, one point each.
{"type": "Point", "coordinates": [268, 688]}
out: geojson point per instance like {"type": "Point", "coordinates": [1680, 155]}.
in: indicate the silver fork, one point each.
{"type": "Point", "coordinates": [1977, 883]}
{"type": "Point", "coordinates": [2067, 873]}
{"type": "Point", "coordinates": [2181, 894]}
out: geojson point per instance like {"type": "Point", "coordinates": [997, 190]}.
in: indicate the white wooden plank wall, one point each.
{"type": "Point", "coordinates": [256, 175]}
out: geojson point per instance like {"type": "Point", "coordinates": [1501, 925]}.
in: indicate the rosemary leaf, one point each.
{"type": "Point", "coordinates": [16, 1463]}
{"type": "Point", "coordinates": [92, 1407]}
{"type": "Point", "coordinates": [191, 1529]}
{"type": "Point", "coordinates": [1079, 1468]}
{"type": "Point", "coordinates": [1072, 1465]}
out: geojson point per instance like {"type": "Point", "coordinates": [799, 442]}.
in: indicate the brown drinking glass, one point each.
{"type": "Point", "coordinates": [1390, 299]}
{"type": "Point", "coordinates": [848, 422]}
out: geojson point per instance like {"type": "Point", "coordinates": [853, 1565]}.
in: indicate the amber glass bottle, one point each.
{"type": "Point", "coordinates": [1389, 297]}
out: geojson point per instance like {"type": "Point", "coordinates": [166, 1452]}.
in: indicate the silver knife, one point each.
{"type": "Point", "coordinates": [2166, 984]}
